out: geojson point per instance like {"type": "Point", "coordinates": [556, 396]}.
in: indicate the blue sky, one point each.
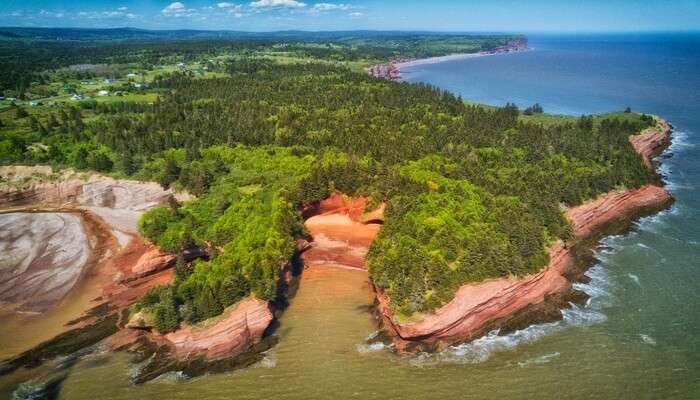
{"type": "Point", "coordinates": [438, 15]}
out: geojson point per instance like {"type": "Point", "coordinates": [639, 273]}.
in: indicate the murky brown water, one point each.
{"type": "Point", "coordinates": [321, 355]}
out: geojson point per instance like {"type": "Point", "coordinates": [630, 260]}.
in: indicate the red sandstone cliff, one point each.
{"type": "Point", "coordinates": [480, 307]}
{"type": "Point", "coordinates": [230, 334]}
{"type": "Point", "coordinates": [341, 231]}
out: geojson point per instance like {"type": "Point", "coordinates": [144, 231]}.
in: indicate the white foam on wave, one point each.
{"type": "Point", "coordinates": [680, 140]}
{"type": "Point", "coordinates": [635, 278]}
{"type": "Point", "coordinates": [370, 344]}
{"type": "Point", "coordinates": [539, 360]}
{"type": "Point", "coordinates": [268, 361]}
{"type": "Point", "coordinates": [480, 350]}
{"type": "Point", "coordinates": [646, 339]}
{"type": "Point", "coordinates": [371, 347]}
{"type": "Point", "coordinates": [172, 377]}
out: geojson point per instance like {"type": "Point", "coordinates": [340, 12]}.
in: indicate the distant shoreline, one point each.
{"type": "Point", "coordinates": [392, 69]}
{"type": "Point", "coordinates": [452, 57]}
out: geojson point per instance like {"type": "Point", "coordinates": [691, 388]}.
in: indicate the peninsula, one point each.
{"type": "Point", "coordinates": [199, 177]}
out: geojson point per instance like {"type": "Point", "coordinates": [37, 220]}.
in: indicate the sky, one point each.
{"type": "Point", "coordinates": [433, 15]}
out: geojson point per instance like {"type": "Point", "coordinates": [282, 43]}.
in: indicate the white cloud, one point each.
{"type": "Point", "coordinates": [122, 8]}
{"type": "Point", "coordinates": [226, 5]}
{"type": "Point", "coordinates": [174, 8]}
{"type": "Point", "coordinates": [277, 4]}
{"type": "Point", "coordinates": [330, 7]}
{"type": "Point", "coordinates": [355, 14]}
{"type": "Point", "coordinates": [119, 13]}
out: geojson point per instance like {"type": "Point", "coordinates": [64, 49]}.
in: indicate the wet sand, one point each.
{"type": "Point", "coordinates": [62, 254]}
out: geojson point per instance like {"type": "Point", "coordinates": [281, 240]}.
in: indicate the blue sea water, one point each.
{"type": "Point", "coordinates": [647, 281]}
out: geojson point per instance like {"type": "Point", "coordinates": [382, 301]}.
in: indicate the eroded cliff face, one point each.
{"type": "Point", "coordinates": [341, 231]}
{"type": "Point", "coordinates": [232, 333]}
{"type": "Point", "coordinates": [511, 303]}
{"type": "Point", "coordinates": [119, 202]}
{"type": "Point", "coordinates": [652, 141]}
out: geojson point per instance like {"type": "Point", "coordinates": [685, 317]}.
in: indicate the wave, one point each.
{"type": "Point", "coordinates": [480, 350]}
{"type": "Point", "coordinates": [268, 361]}
{"type": "Point", "coordinates": [635, 278]}
{"type": "Point", "coordinates": [172, 377]}
{"type": "Point", "coordinates": [646, 339]}
{"type": "Point", "coordinates": [680, 140]}
{"type": "Point", "coordinates": [372, 344]}
{"type": "Point", "coordinates": [371, 347]}
{"type": "Point", "coordinates": [539, 360]}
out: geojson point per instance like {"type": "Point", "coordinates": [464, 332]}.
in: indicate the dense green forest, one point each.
{"type": "Point", "coordinates": [471, 192]}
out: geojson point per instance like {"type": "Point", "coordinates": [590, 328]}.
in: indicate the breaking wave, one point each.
{"type": "Point", "coordinates": [647, 339]}
{"type": "Point", "coordinates": [635, 278]}
{"type": "Point", "coordinates": [480, 350]}
{"type": "Point", "coordinates": [372, 344]}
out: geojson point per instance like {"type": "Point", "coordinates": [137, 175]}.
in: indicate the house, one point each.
{"type": "Point", "coordinates": [131, 75]}
{"type": "Point", "coordinates": [108, 81]}
{"type": "Point", "coordinates": [103, 93]}
{"type": "Point", "coordinates": [77, 97]}
{"type": "Point", "coordinates": [35, 103]}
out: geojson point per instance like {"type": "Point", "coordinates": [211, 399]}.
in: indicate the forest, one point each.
{"type": "Point", "coordinates": [472, 192]}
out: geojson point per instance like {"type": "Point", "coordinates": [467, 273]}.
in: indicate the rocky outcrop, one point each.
{"type": "Point", "coordinates": [119, 202]}
{"type": "Point", "coordinates": [511, 303]}
{"type": "Point", "coordinates": [652, 141]}
{"type": "Point", "coordinates": [228, 335]}
{"type": "Point", "coordinates": [341, 231]}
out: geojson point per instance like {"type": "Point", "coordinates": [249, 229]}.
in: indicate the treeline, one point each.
{"type": "Point", "coordinates": [472, 193]}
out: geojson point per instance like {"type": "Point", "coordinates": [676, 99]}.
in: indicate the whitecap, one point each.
{"type": "Point", "coordinates": [371, 347]}
{"type": "Point", "coordinates": [582, 316]}
{"type": "Point", "coordinates": [680, 140]}
{"type": "Point", "coordinates": [539, 360]}
{"type": "Point", "coordinates": [647, 339]}
{"type": "Point", "coordinates": [268, 361]}
{"type": "Point", "coordinates": [172, 377]}
{"type": "Point", "coordinates": [635, 278]}
{"type": "Point", "coordinates": [29, 390]}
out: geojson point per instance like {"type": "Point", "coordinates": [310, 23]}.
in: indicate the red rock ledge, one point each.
{"type": "Point", "coordinates": [234, 332]}
{"type": "Point", "coordinates": [512, 303]}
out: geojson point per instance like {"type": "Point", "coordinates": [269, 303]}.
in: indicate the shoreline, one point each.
{"type": "Point", "coordinates": [392, 69]}
{"type": "Point", "coordinates": [508, 304]}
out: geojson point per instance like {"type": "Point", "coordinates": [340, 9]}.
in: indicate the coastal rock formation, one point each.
{"type": "Point", "coordinates": [341, 231]}
{"type": "Point", "coordinates": [225, 336]}
{"type": "Point", "coordinates": [42, 256]}
{"type": "Point", "coordinates": [511, 303]}
{"type": "Point", "coordinates": [652, 141]}
{"type": "Point", "coordinates": [119, 202]}
{"type": "Point", "coordinates": [151, 261]}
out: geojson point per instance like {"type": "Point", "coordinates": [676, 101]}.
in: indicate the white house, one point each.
{"type": "Point", "coordinates": [103, 93]}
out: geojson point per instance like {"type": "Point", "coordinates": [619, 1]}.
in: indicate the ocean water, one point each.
{"type": "Point", "coordinates": [637, 338]}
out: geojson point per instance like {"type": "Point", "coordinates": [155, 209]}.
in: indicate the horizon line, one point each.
{"type": "Point", "coordinates": [571, 32]}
